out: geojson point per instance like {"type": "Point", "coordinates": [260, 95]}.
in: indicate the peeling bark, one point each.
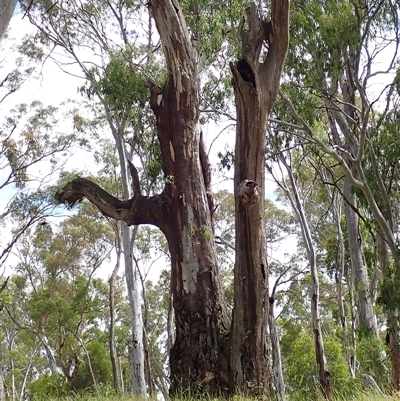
{"type": "Point", "coordinates": [199, 354]}
{"type": "Point", "coordinates": [256, 85]}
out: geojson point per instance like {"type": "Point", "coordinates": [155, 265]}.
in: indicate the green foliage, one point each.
{"type": "Point", "coordinates": [301, 373]}
{"type": "Point", "coordinates": [48, 386]}
{"type": "Point", "coordinates": [373, 360]}
{"type": "Point", "coordinates": [213, 21]}
{"type": "Point", "coordinates": [317, 40]}
{"type": "Point", "coordinates": [122, 84]}
{"type": "Point", "coordinates": [101, 365]}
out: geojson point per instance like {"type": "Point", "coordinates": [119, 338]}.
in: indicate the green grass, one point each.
{"type": "Point", "coordinates": [361, 397]}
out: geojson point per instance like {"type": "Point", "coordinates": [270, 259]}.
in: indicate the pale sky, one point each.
{"type": "Point", "coordinates": [54, 86]}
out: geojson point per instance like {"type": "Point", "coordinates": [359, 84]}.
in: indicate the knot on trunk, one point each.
{"type": "Point", "coordinates": [248, 192]}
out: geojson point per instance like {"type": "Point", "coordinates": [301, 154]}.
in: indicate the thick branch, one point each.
{"type": "Point", "coordinates": [79, 188]}
{"type": "Point", "coordinates": [278, 39]}
{"type": "Point", "coordinates": [138, 210]}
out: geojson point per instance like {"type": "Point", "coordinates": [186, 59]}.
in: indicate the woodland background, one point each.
{"type": "Point", "coordinates": [68, 307]}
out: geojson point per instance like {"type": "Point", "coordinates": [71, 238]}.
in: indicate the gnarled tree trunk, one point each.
{"type": "Point", "coordinates": [256, 85]}
{"type": "Point", "coordinates": [199, 357]}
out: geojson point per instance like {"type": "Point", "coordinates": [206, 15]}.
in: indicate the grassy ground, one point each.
{"type": "Point", "coordinates": [361, 397]}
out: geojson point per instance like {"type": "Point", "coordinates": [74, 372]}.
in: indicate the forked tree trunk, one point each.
{"type": "Point", "coordinates": [256, 85]}
{"type": "Point", "coordinates": [199, 356]}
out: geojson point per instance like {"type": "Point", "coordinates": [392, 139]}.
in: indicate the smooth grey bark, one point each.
{"type": "Point", "coordinates": [7, 8]}
{"type": "Point", "coordinates": [364, 304]}
{"type": "Point", "coordinates": [349, 351]}
{"type": "Point", "coordinates": [137, 349]}
{"type": "Point", "coordinates": [279, 390]}
{"type": "Point", "coordinates": [137, 358]}
{"type": "Point", "coordinates": [111, 296]}
{"type": "Point", "coordinates": [294, 199]}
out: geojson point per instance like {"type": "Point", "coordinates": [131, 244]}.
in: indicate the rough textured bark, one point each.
{"type": "Point", "coordinates": [365, 308]}
{"type": "Point", "coordinates": [7, 8]}
{"type": "Point", "coordinates": [256, 85]}
{"type": "Point", "coordinates": [198, 357]}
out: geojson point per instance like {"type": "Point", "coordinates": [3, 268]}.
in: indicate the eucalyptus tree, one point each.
{"type": "Point", "coordinates": [118, 86]}
{"type": "Point", "coordinates": [342, 61]}
{"type": "Point", "coordinates": [288, 185]}
{"type": "Point", "coordinates": [30, 149]}
{"type": "Point", "coordinates": [58, 301]}
{"type": "Point", "coordinates": [7, 8]}
{"type": "Point", "coordinates": [183, 211]}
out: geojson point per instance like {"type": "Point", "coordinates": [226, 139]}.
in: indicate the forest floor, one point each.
{"type": "Point", "coordinates": [361, 397]}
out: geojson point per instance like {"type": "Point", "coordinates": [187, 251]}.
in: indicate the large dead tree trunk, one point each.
{"type": "Point", "coordinates": [256, 85]}
{"type": "Point", "coordinates": [199, 357]}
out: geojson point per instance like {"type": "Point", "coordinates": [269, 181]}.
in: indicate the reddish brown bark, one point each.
{"type": "Point", "coordinates": [199, 357]}
{"type": "Point", "coordinates": [256, 85]}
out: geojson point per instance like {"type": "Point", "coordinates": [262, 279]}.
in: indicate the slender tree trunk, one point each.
{"type": "Point", "coordinates": [365, 309]}
{"type": "Point", "coordinates": [3, 388]}
{"type": "Point", "coordinates": [137, 346]}
{"type": "Point", "coordinates": [279, 390]}
{"type": "Point", "coordinates": [128, 239]}
{"type": "Point", "coordinates": [256, 85]}
{"type": "Point", "coordinates": [349, 352]}
{"type": "Point", "coordinates": [322, 364]}
{"type": "Point", "coordinates": [392, 314]}
{"type": "Point", "coordinates": [111, 334]}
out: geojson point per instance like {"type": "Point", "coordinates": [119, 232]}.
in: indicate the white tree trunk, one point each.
{"type": "Point", "coordinates": [7, 8]}
{"type": "Point", "coordinates": [137, 347]}
{"type": "Point", "coordinates": [128, 239]}
{"type": "Point", "coordinates": [294, 199]}
{"type": "Point", "coordinates": [279, 390]}
{"type": "Point", "coordinates": [349, 352]}
{"type": "Point", "coordinates": [365, 309]}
